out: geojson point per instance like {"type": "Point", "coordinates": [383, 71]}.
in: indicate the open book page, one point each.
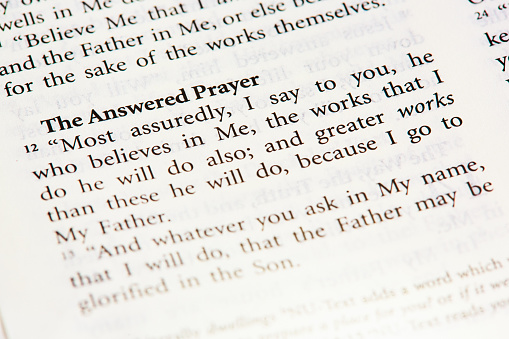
{"type": "Point", "coordinates": [254, 169]}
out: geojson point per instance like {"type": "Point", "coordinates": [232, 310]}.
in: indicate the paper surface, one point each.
{"type": "Point", "coordinates": [246, 169]}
